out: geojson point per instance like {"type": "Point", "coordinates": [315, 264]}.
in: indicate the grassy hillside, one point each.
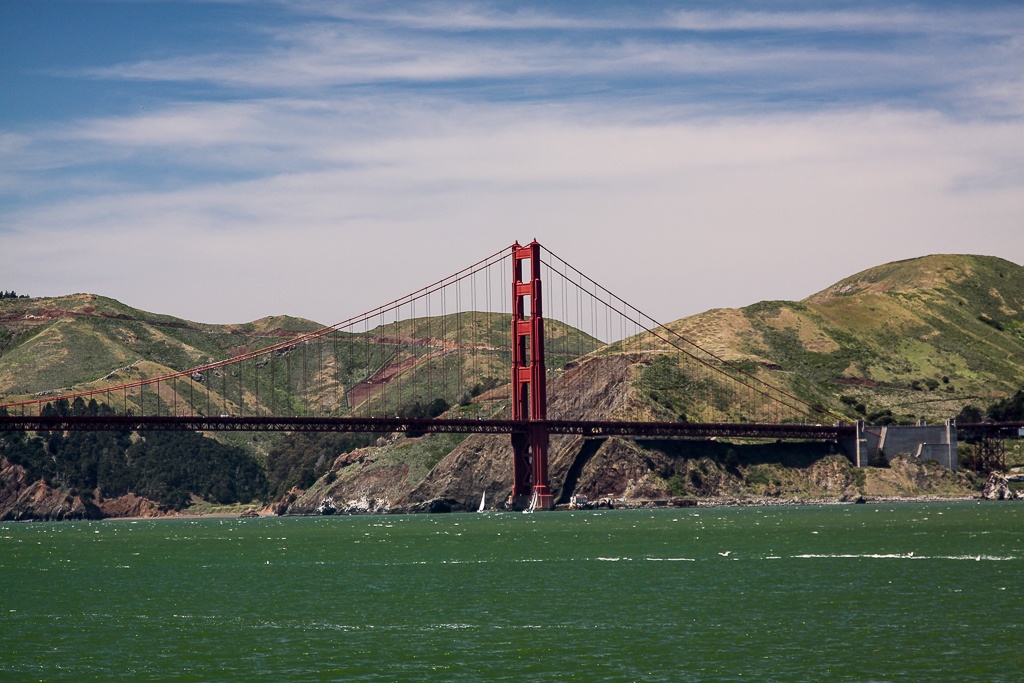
{"type": "Point", "coordinates": [916, 338]}
{"type": "Point", "coordinates": [69, 341]}
{"type": "Point", "coordinates": [84, 342]}
{"type": "Point", "coordinates": [919, 338]}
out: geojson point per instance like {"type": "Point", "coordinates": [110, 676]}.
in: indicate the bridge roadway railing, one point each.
{"type": "Point", "coordinates": [585, 428]}
{"type": "Point", "coordinates": [990, 430]}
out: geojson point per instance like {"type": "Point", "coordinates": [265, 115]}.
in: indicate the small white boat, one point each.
{"type": "Point", "coordinates": [483, 502]}
{"type": "Point", "coordinates": [533, 504]}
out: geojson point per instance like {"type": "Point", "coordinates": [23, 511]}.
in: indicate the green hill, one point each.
{"type": "Point", "coordinates": [50, 347]}
{"type": "Point", "coordinates": [919, 338]}
{"type": "Point", "coordinates": [84, 342]}
{"type": "Point", "coordinates": [78, 340]}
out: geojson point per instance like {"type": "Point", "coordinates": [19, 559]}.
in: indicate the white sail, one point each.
{"type": "Point", "coordinates": [483, 501]}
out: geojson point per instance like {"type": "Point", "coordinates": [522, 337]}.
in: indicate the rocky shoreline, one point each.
{"type": "Point", "coordinates": [441, 505]}
{"type": "Point", "coordinates": [21, 500]}
{"type": "Point", "coordinates": [74, 511]}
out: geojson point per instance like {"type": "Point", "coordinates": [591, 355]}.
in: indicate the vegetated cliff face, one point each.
{"type": "Point", "coordinates": [907, 476]}
{"type": "Point", "coordinates": [22, 500]}
{"type": "Point", "coordinates": [921, 337]}
{"type": "Point", "coordinates": [407, 472]}
{"type": "Point", "coordinates": [596, 389]}
{"type": "Point", "coordinates": [392, 475]}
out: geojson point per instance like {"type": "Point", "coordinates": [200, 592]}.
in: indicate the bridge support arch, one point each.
{"type": "Point", "coordinates": [530, 486]}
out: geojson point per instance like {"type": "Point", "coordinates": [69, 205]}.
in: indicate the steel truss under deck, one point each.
{"type": "Point", "coordinates": [695, 430]}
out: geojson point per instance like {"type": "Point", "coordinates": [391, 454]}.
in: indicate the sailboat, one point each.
{"type": "Point", "coordinates": [483, 502]}
{"type": "Point", "coordinates": [533, 504]}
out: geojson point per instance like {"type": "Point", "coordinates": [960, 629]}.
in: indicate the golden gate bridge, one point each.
{"type": "Point", "coordinates": [509, 345]}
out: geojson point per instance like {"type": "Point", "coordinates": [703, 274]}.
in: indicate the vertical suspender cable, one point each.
{"type": "Point", "coordinates": [430, 364]}
{"type": "Point", "coordinates": [444, 345]}
{"type": "Point", "coordinates": [305, 380]}
{"type": "Point", "coordinates": [369, 365]}
{"type": "Point", "coordinates": [385, 356]}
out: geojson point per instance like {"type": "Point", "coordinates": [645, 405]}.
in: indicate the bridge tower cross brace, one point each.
{"type": "Point", "coordinates": [529, 382]}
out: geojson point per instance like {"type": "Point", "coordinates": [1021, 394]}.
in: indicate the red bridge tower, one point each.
{"type": "Point", "coordinates": [529, 383]}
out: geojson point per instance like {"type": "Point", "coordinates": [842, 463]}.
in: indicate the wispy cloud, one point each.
{"type": "Point", "coordinates": [881, 21]}
{"type": "Point", "coordinates": [494, 17]}
{"type": "Point", "coordinates": [770, 192]}
{"type": "Point", "coordinates": [733, 147]}
{"type": "Point", "coordinates": [461, 17]}
{"type": "Point", "coordinates": [942, 58]}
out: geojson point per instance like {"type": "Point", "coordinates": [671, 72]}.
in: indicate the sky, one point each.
{"type": "Point", "coordinates": [227, 160]}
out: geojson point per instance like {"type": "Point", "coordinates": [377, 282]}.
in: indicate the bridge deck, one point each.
{"type": "Point", "coordinates": [421, 425]}
{"type": "Point", "coordinates": [587, 428]}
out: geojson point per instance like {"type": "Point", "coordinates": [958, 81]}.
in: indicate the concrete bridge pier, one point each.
{"type": "Point", "coordinates": [925, 442]}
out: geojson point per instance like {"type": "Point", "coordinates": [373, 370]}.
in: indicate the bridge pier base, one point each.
{"type": "Point", "coordinates": [530, 471]}
{"type": "Point", "coordinates": [541, 498]}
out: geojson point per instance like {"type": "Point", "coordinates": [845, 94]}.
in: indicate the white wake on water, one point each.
{"type": "Point", "coordinates": [910, 556]}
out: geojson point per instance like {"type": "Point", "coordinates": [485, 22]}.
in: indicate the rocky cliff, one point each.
{"type": "Point", "coordinates": [23, 500]}
{"type": "Point", "coordinates": [598, 388]}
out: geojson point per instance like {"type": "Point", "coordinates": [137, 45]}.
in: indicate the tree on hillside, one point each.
{"type": "Point", "coordinates": [969, 415]}
{"type": "Point", "coordinates": [1009, 409]}
{"type": "Point", "coordinates": [300, 459]}
{"type": "Point", "coordinates": [167, 467]}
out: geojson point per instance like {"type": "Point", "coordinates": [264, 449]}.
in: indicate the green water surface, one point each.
{"type": "Point", "coordinates": [908, 592]}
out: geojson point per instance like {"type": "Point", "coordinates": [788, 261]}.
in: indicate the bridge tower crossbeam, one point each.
{"type": "Point", "coordinates": [530, 487]}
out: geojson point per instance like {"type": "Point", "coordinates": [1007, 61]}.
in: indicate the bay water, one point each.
{"type": "Point", "coordinates": [897, 592]}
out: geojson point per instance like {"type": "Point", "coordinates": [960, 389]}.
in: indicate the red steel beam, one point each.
{"type": "Point", "coordinates": [530, 485]}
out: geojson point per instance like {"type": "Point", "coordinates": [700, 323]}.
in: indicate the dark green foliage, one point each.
{"type": "Point", "coordinates": [677, 485]}
{"type": "Point", "coordinates": [860, 477]}
{"type": "Point", "coordinates": [882, 417]}
{"type": "Point", "coordinates": [172, 466]}
{"type": "Point", "coordinates": [985, 318]}
{"type": "Point", "coordinates": [931, 384]}
{"type": "Point", "coordinates": [1009, 409]}
{"type": "Point", "coordinates": [857, 406]}
{"type": "Point", "coordinates": [762, 475]}
{"type": "Point", "coordinates": [12, 295]}
{"type": "Point", "coordinates": [485, 385]}
{"type": "Point", "coordinates": [789, 351]}
{"type": "Point", "coordinates": [167, 467]}
{"type": "Point", "coordinates": [432, 409]}
{"type": "Point", "coordinates": [420, 411]}
{"type": "Point", "coordinates": [769, 309]}
{"type": "Point", "coordinates": [300, 459]}
{"type": "Point", "coordinates": [969, 415]}
{"type": "Point", "coordinates": [733, 456]}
